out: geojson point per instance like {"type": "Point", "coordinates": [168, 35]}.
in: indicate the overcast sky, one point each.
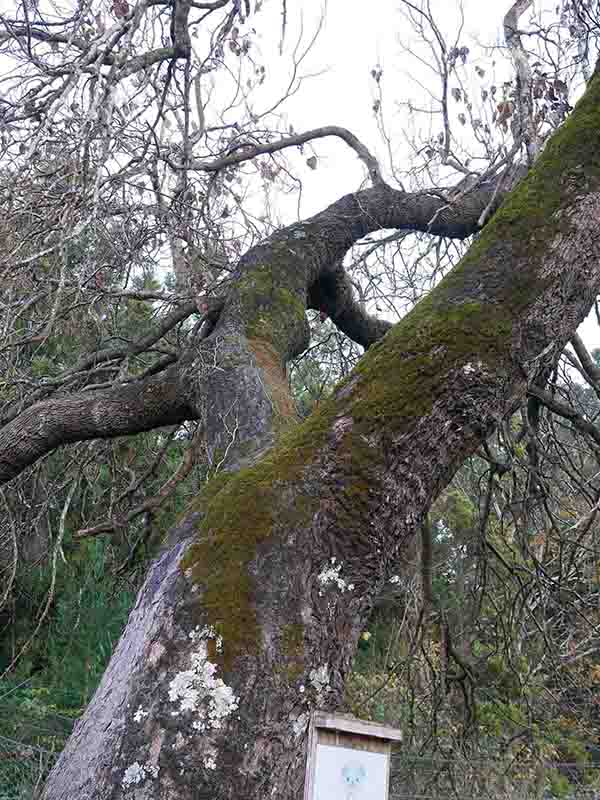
{"type": "Point", "coordinates": [353, 41]}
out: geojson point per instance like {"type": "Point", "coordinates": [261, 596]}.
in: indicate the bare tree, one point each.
{"type": "Point", "coordinates": [249, 619]}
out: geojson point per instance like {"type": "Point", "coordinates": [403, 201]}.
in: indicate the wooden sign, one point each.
{"type": "Point", "coordinates": [348, 758]}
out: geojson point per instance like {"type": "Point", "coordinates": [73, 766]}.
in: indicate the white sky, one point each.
{"type": "Point", "coordinates": [351, 43]}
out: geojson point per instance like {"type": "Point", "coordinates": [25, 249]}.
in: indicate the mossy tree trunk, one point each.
{"type": "Point", "coordinates": [250, 619]}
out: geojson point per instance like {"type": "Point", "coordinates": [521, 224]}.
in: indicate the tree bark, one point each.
{"type": "Point", "coordinates": [249, 620]}
{"type": "Point", "coordinates": [141, 406]}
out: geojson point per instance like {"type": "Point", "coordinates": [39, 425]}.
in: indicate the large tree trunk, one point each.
{"type": "Point", "coordinates": [249, 620]}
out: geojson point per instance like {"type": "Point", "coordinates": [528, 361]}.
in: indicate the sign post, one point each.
{"type": "Point", "coordinates": [348, 758]}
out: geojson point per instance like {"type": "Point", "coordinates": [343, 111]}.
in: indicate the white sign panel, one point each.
{"type": "Point", "coordinates": [342, 773]}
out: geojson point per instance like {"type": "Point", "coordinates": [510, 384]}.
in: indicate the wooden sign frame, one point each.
{"type": "Point", "coordinates": [346, 731]}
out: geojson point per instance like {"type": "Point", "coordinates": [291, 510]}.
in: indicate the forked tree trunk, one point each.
{"type": "Point", "coordinates": [249, 620]}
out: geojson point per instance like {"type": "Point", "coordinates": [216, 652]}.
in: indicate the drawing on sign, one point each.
{"type": "Point", "coordinates": [342, 773]}
{"type": "Point", "coordinates": [354, 776]}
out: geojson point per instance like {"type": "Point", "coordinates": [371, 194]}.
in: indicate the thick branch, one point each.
{"type": "Point", "coordinates": [333, 294]}
{"type": "Point", "coordinates": [134, 348]}
{"type": "Point", "coordinates": [123, 409]}
{"type": "Point", "coordinates": [318, 245]}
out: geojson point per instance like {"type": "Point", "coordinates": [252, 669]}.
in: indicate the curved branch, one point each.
{"type": "Point", "coordinates": [320, 243]}
{"type": "Point", "coordinates": [333, 294]}
{"type": "Point", "coordinates": [247, 151]}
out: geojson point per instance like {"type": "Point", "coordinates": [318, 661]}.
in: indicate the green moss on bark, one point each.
{"type": "Point", "coordinates": [396, 383]}
{"type": "Point", "coordinates": [469, 319]}
{"type": "Point", "coordinates": [292, 648]}
{"type": "Point", "coordinates": [238, 518]}
{"type": "Point", "coordinates": [402, 379]}
{"type": "Point", "coordinates": [271, 307]}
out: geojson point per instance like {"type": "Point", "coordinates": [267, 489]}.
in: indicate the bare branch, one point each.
{"type": "Point", "coordinates": [526, 131]}
{"type": "Point", "coordinates": [150, 503]}
{"type": "Point", "coordinates": [565, 411]}
{"type": "Point", "coordinates": [249, 150]}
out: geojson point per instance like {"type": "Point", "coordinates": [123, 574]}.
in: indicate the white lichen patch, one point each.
{"type": "Point", "coordinates": [137, 773]}
{"type": "Point", "coordinates": [209, 762]}
{"type": "Point", "coordinates": [474, 367]}
{"type": "Point", "coordinates": [198, 690]}
{"type": "Point", "coordinates": [330, 576]}
{"type": "Point", "coordinates": [319, 681]}
{"type": "Point", "coordinates": [300, 724]}
{"type": "Point", "coordinates": [319, 678]}
{"type": "Point", "coordinates": [152, 769]}
{"type": "Point", "coordinates": [140, 714]}
{"type": "Point", "coordinates": [207, 632]}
